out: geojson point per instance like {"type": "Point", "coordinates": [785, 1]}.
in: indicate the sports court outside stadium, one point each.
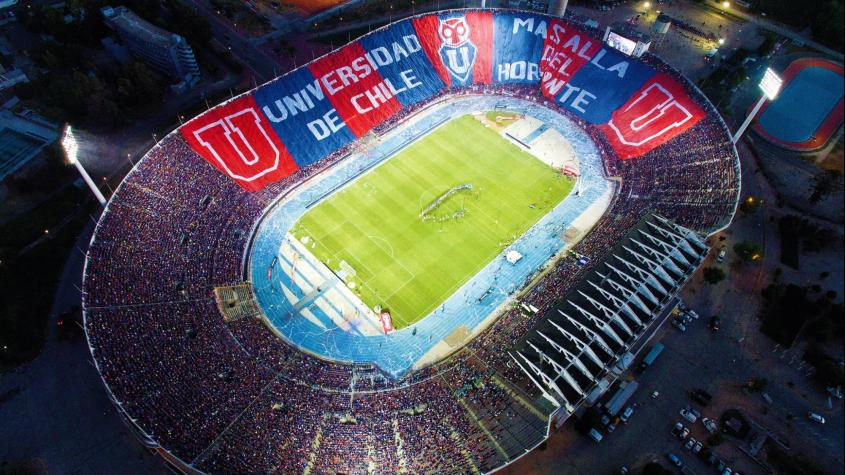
{"type": "Point", "coordinates": [395, 256]}
{"type": "Point", "coordinates": [809, 110]}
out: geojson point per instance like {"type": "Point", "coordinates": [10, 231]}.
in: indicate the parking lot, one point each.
{"type": "Point", "coordinates": [697, 358]}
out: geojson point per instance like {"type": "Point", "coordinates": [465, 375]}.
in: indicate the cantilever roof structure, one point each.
{"type": "Point", "coordinates": [580, 339]}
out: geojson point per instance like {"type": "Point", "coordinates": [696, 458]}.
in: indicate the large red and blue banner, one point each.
{"type": "Point", "coordinates": [237, 139]}
{"type": "Point", "coordinates": [299, 111]}
{"type": "Point", "coordinates": [655, 114]}
{"type": "Point", "coordinates": [459, 45]}
{"type": "Point", "coordinates": [398, 54]}
{"type": "Point", "coordinates": [518, 40]}
{"type": "Point", "coordinates": [299, 118]}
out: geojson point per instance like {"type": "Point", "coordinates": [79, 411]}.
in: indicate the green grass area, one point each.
{"type": "Point", "coordinates": [410, 265]}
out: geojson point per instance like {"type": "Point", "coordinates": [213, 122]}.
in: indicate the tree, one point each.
{"type": "Point", "coordinates": [139, 86]}
{"type": "Point", "coordinates": [769, 40]}
{"type": "Point", "coordinates": [757, 385]}
{"type": "Point", "coordinates": [714, 275]}
{"type": "Point", "coordinates": [749, 250]}
{"type": "Point", "coordinates": [825, 183]}
{"type": "Point", "coordinates": [187, 21]}
{"type": "Point", "coordinates": [654, 468]}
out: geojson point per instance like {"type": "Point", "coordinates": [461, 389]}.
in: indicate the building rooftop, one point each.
{"type": "Point", "coordinates": [125, 19]}
{"type": "Point", "coordinates": [630, 31]}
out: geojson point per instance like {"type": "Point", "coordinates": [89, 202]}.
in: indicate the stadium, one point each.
{"type": "Point", "coordinates": [412, 255]}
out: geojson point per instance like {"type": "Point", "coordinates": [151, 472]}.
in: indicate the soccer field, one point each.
{"type": "Point", "coordinates": [372, 233]}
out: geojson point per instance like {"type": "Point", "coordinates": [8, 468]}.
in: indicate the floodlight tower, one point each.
{"type": "Point", "coordinates": [770, 84]}
{"type": "Point", "coordinates": [72, 151]}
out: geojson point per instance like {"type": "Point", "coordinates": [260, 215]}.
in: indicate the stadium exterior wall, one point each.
{"type": "Point", "coordinates": [145, 438]}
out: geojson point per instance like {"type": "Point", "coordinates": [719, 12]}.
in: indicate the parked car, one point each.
{"type": "Point", "coordinates": [674, 459]}
{"type": "Point", "coordinates": [689, 416]}
{"type": "Point", "coordinates": [679, 325]}
{"type": "Point", "coordinates": [605, 422]}
{"type": "Point", "coordinates": [676, 431]}
{"type": "Point", "coordinates": [684, 433]}
{"type": "Point", "coordinates": [692, 313]}
{"type": "Point", "coordinates": [710, 425]}
{"type": "Point", "coordinates": [596, 435]}
{"type": "Point", "coordinates": [720, 256]}
{"type": "Point", "coordinates": [690, 443]}
{"type": "Point", "coordinates": [727, 471]}
{"type": "Point", "coordinates": [815, 417]}
{"type": "Point", "coordinates": [697, 447]}
{"type": "Point", "coordinates": [626, 414]}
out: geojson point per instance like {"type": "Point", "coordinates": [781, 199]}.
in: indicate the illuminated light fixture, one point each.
{"type": "Point", "coordinates": [770, 85]}
{"type": "Point", "coordinates": [71, 147]}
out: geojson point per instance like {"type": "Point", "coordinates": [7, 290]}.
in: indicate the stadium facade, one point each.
{"type": "Point", "coordinates": [226, 395]}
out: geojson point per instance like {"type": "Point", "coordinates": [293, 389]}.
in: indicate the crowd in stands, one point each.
{"type": "Point", "coordinates": [234, 398]}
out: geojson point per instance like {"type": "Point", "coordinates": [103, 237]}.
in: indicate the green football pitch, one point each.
{"type": "Point", "coordinates": [373, 235]}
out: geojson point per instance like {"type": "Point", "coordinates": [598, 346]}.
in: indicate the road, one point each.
{"type": "Point", "coordinates": [55, 410]}
{"type": "Point", "coordinates": [245, 49]}
{"type": "Point", "coordinates": [776, 28]}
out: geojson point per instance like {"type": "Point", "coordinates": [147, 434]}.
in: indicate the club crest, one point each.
{"type": "Point", "coordinates": [457, 52]}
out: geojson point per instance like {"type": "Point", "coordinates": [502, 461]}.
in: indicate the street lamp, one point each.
{"type": "Point", "coordinates": [721, 41]}
{"type": "Point", "coordinates": [647, 5]}
{"type": "Point", "coordinates": [770, 85]}
{"type": "Point", "coordinates": [726, 4]}
{"type": "Point", "coordinates": [71, 152]}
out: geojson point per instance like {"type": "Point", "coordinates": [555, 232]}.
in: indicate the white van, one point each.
{"type": "Point", "coordinates": [815, 417]}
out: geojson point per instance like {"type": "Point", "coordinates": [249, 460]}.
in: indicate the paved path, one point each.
{"type": "Point", "coordinates": [776, 28]}
{"type": "Point", "coordinates": [55, 410]}
{"type": "Point", "coordinates": [241, 46]}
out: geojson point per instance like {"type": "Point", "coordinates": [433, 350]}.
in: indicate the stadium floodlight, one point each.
{"type": "Point", "coordinates": [71, 147]}
{"type": "Point", "coordinates": [770, 84]}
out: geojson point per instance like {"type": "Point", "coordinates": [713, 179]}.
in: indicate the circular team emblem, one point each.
{"type": "Point", "coordinates": [456, 50]}
{"type": "Point", "coordinates": [454, 31]}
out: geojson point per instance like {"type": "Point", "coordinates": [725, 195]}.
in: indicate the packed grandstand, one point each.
{"type": "Point", "coordinates": [230, 395]}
